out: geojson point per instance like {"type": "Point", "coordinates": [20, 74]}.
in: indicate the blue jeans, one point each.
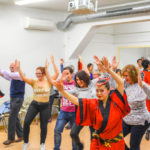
{"type": "Point", "coordinates": [62, 120]}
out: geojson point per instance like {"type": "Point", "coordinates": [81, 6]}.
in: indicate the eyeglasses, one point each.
{"type": "Point", "coordinates": [38, 73]}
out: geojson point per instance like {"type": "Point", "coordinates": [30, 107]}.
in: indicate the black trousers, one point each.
{"type": "Point", "coordinates": [75, 130]}
{"type": "Point", "coordinates": [14, 124]}
{"type": "Point", "coordinates": [51, 101]}
{"type": "Point", "coordinates": [137, 132]}
{"type": "Point", "coordinates": [33, 110]}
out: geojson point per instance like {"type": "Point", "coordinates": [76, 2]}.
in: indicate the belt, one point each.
{"type": "Point", "coordinates": [39, 103]}
{"type": "Point", "coordinates": [107, 142]}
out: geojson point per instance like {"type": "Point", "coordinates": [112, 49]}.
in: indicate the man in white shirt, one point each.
{"type": "Point", "coordinates": [17, 90]}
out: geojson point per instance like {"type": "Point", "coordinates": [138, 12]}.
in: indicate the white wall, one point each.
{"type": "Point", "coordinates": [31, 47]}
{"type": "Point", "coordinates": [101, 45]}
{"type": "Point", "coordinates": [135, 35]}
{"type": "Point", "coordinates": [131, 55]}
{"type": "Point", "coordinates": [108, 39]}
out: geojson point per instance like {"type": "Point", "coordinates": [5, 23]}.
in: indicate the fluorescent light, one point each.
{"type": "Point", "coordinates": [25, 2]}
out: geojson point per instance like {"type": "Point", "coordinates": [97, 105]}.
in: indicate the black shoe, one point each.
{"type": "Point", "coordinates": [147, 136]}
{"type": "Point", "coordinates": [68, 127]}
{"type": "Point", "coordinates": [7, 142]}
{"type": "Point", "coordinates": [80, 147]}
{"type": "Point", "coordinates": [19, 139]}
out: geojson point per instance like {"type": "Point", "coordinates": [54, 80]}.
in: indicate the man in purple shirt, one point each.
{"type": "Point", "coordinates": [67, 112]}
{"type": "Point", "coordinates": [17, 90]}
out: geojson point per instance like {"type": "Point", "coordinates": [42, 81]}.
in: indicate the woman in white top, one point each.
{"type": "Point", "coordinates": [138, 120]}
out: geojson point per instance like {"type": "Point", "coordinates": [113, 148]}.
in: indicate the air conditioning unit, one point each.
{"type": "Point", "coordinates": [38, 24]}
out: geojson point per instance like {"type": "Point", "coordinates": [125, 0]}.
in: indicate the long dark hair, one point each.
{"type": "Point", "coordinates": [82, 75]}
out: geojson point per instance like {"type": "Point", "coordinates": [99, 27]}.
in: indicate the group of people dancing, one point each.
{"type": "Point", "coordinates": [112, 104]}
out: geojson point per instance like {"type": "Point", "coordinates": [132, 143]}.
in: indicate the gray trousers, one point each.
{"type": "Point", "coordinates": [14, 124]}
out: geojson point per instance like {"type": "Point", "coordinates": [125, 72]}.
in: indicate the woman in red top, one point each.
{"type": "Point", "coordinates": [104, 114]}
{"type": "Point", "coordinates": [145, 74]}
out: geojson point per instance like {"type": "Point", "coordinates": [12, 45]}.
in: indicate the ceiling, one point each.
{"type": "Point", "coordinates": [61, 5]}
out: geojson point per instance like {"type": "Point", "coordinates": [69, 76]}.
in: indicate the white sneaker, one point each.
{"type": "Point", "coordinates": [42, 146]}
{"type": "Point", "coordinates": [25, 146]}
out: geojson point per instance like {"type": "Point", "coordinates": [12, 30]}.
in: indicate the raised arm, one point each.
{"type": "Point", "coordinates": [56, 74]}
{"type": "Point", "coordinates": [99, 65]}
{"type": "Point", "coordinates": [70, 97]}
{"type": "Point", "coordinates": [114, 64]}
{"type": "Point", "coordinates": [84, 66]}
{"type": "Point", "coordinates": [144, 85]}
{"type": "Point", "coordinates": [61, 65]}
{"type": "Point", "coordinates": [24, 78]}
{"type": "Point", "coordinates": [48, 76]}
{"type": "Point", "coordinates": [10, 75]}
{"type": "Point", "coordinates": [116, 77]}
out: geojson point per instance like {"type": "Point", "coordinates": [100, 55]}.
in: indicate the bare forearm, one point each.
{"type": "Point", "coordinates": [118, 79]}
{"type": "Point", "coordinates": [21, 74]}
{"type": "Point", "coordinates": [70, 97]}
{"type": "Point", "coordinates": [48, 76]}
{"type": "Point", "coordinates": [56, 74]}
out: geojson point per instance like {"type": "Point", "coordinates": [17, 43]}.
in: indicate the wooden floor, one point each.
{"type": "Point", "coordinates": [66, 140]}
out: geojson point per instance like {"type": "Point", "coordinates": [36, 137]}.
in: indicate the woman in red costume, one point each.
{"type": "Point", "coordinates": [104, 113]}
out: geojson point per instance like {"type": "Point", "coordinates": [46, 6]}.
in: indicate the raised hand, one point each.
{"type": "Point", "coordinates": [97, 61]}
{"type": "Point", "coordinates": [46, 64]}
{"type": "Point", "coordinates": [58, 85]}
{"type": "Point", "coordinates": [105, 63]}
{"type": "Point", "coordinates": [80, 58]}
{"type": "Point", "coordinates": [114, 64]}
{"type": "Point", "coordinates": [17, 64]}
{"type": "Point", "coordinates": [99, 64]}
{"type": "Point", "coordinates": [63, 76]}
{"type": "Point", "coordinates": [52, 58]}
{"type": "Point", "coordinates": [61, 61]}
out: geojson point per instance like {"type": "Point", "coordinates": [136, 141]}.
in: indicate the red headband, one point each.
{"type": "Point", "coordinates": [100, 84]}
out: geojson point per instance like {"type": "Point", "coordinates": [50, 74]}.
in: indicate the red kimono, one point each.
{"type": "Point", "coordinates": [146, 77]}
{"type": "Point", "coordinates": [1, 94]}
{"type": "Point", "coordinates": [108, 120]}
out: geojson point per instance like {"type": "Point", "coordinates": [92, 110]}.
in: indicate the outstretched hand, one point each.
{"type": "Point", "coordinates": [46, 64]}
{"type": "Point", "coordinates": [105, 63]}
{"type": "Point", "coordinates": [80, 59]}
{"type": "Point", "coordinates": [58, 85]}
{"type": "Point", "coordinates": [63, 76]}
{"type": "Point", "coordinates": [17, 64]}
{"type": "Point", "coordinates": [61, 61]}
{"type": "Point", "coordinates": [99, 63]}
{"type": "Point", "coordinates": [52, 58]}
{"type": "Point", "coordinates": [114, 63]}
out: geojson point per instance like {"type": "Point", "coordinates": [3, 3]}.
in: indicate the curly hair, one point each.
{"type": "Point", "coordinates": [42, 69]}
{"type": "Point", "coordinates": [132, 70]}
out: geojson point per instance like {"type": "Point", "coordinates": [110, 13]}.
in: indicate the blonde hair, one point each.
{"type": "Point", "coordinates": [132, 71]}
